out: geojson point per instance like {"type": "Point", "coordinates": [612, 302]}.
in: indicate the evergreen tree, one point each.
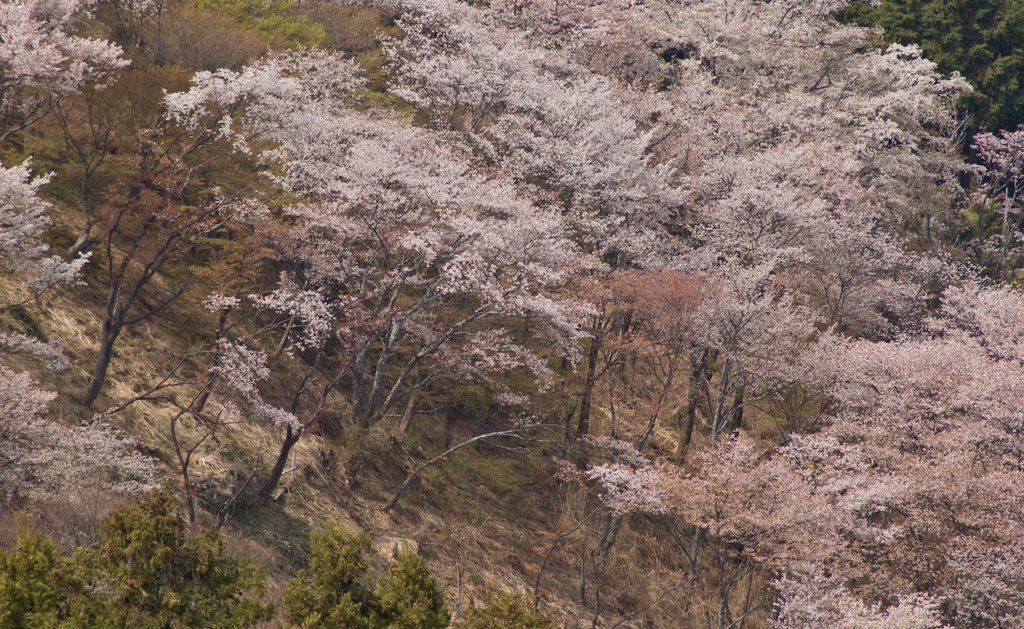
{"type": "Point", "coordinates": [147, 571]}
{"type": "Point", "coordinates": [409, 597]}
{"type": "Point", "coordinates": [27, 596]}
{"type": "Point", "coordinates": [334, 591]}
{"type": "Point", "coordinates": [331, 592]}
{"type": "Point", "coordinates": [981, 39]}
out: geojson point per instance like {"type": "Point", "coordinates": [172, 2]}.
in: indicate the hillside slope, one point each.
{"type": "Point", "coordinates": [658, 314]}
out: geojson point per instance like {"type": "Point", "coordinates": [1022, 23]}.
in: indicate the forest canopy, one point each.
{"type": "Point", "coordinates": [522, 313]}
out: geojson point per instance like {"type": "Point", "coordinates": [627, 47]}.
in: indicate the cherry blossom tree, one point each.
{"type": "Point", "coordinates": [738, 515]}
{"type": "Point", "coordinates": [743, 167]}
{"type": "Point", "coordinates": [603, 36]}
{"type": "Point", "coordinates": [659, 314]}
{"type": "Point", "coordinates": [432, 266]}
{"type": "Point", "coordinates": [40, 63]}
{"type": "Point", "coordinates": [401, 248]}
{"type": "Point", "coordinates": [803, 169]}
{"type": "Point", "coordinates": [816, 601]}
{"type": "Point", "coordinates": [23, 257]}
{"type": "Point", "coordinates": [40, 457]}
{"type": "Point", "coordinates": [41, 60]}
{"type": "Point", "coordinates": [139, 240]}
{"type": "Point", "coordinates": [22, 252]}
{"type": "Point", "coordinates": [918, 456]}
{"type": "Point", "coordinates": [189, 181]}
{"type": "Point", "coordinates": [753, 325]}
{"type": "Point", "coordinates": [750, 512]}
{"type": "Point", "coordinates": [584, 139]}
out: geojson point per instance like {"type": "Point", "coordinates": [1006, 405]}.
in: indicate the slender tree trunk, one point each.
{"type": "Point", "coordinates": [698, 381]}
{"type": "Point", "coordinates": [359, 411]}
{"type": "Point", "coordinates": [83, 241]}
{"type": "Point", "coordinates": [204, 395]}
{"type": "Point", "coordinates": [374, 408]}
{"type": "Point", "coordinates": [745, 612]}
{"type": "Point", "coordinates": [724, 590]}
{"type": "Point", "coordinates": [720, 413]}
{"type": "Point", "coordinates": [698, 365]}
{"type": "Point", "coordinates": [284, 336]}
{"type": "Point", "coordinates": [610, 532]}
{"type": "Point", "coordinates": [567, 424]}
{"type": "Point", "coordinates": [183, 464]}
{"type": "Point", "coordinates": [458, 590]}
{"type": "Point", "coordinates": [211, 375]}
{"type": "Point", "coordinates": [99, 375]}
{"type": "Point", "coordinates": [645, 438]}
{"type": "Point", "coordinates": [583, 426]}
{"type": "Point", "coordinates": [583, 577]}
{"type": "Point", "coordinates": [695, 545]}
{"type": "Point", "coordinates": [737, 411]}
{"type": "Point", "coordinates": [1005, 234]}
{"type": "Point", "coordinates": [291, 437]}
{"type": "Point", "coordinates": [406, 419]}
{"type": "Point", "coordinates": [662, 396]}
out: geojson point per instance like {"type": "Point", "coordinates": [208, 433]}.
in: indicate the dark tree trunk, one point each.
{"type": "Point", "coordinates": [583, 426]}
{"type": "Point", "coordinates": [567, 424]}
{"type": "Point", "coordinates": [99, 374]}
{"type": "Point", "coordinates": [662, 396]}
{"type": "Point", "coordinates": [360, 412]}
{"type": "Point", "coordinates": [204, 395]}
{"type": "Point", "coordinates": [291, 437]}
{"type": "Point", "coordinates": [737, 412]}
{"type": "Point", "coordinates": [610, 532]}
{"type": "Point", "coordinates": [696, 387]}
{"type": "Point", "coordinates": [721, 413]}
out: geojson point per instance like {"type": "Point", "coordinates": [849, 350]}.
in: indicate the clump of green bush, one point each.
{"type": "Point", "coordinates": [335, 592]}
{"type": "Point", "coordinates": [275, 20]}
{"type": "Point", "coordinates": [147, 571]}
{"type": "Point", "coordinates": [509, 611]}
